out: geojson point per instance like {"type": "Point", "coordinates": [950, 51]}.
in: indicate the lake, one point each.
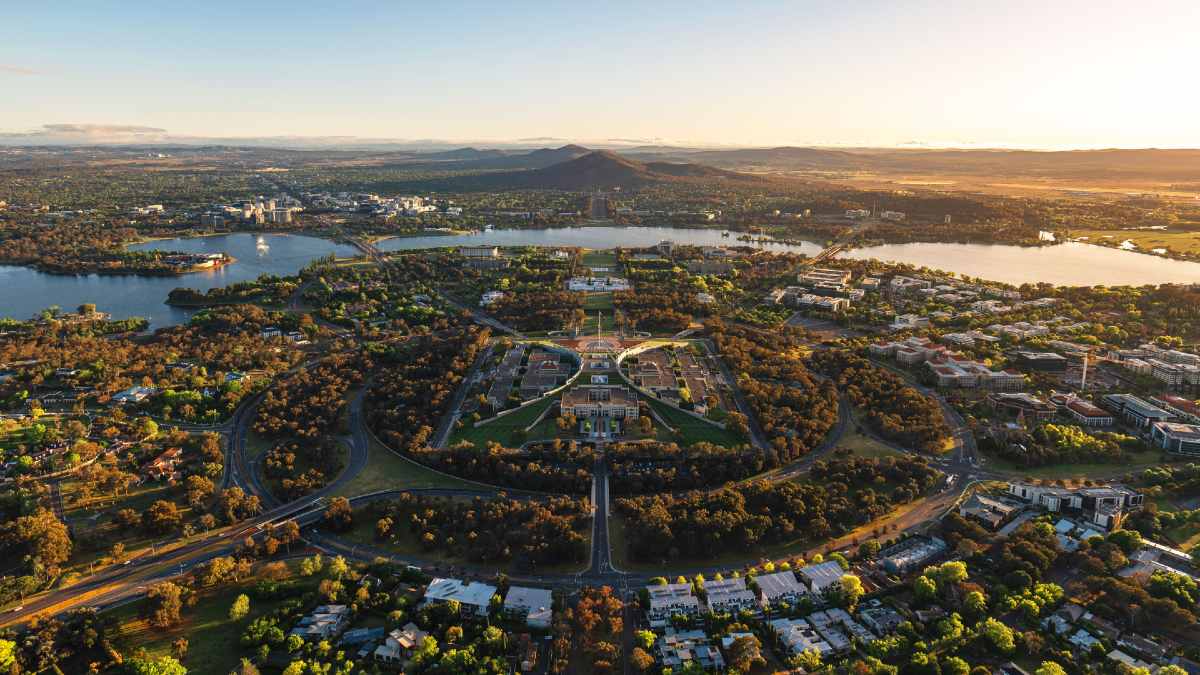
{"type": "Point", "coordinates": [1067, 264]}
{"type": "Point", "coordinates": [584, 237]}
{"type": "Point", "coordinates": [27, 291]}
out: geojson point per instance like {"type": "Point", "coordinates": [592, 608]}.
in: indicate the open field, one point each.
{"type": "Point", "coordinates": [600, 259]}
{"type": "Point", "coordinates": [212, 637]}
{"type": "Point", "coordinates": [1097, 471]}
{"type": "Point", "coordinates": [502, 430]}
{"type": "Point", "coordinates": [387, 471]}
{"type": "Point", "coordinates": [598, 301]}
{"type": "Point", "coordinates": [693, 430]}
{"type": "Point", "coordinates": [865, 446]}
{"type": "Point", "coordinates": [1175, 241]}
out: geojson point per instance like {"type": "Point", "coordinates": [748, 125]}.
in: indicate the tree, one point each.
{"type": "Point", "coordinates": [240, 608]}
{"type": "Point", "coordinates": [809, 660]}
{"type": "Point", "coordinates": [246, 667]}
{"type": "Point", "coordinates": [641, 659]}
{"type": "Point", "coordinates": [294, 644]}
{"type": "Point", "coordinates": [312, 566]}
{"type": "Point", "coordinates": [745, 652]}
{"type": "Point", "coordinates": [852, 589]}
{"type": "Point", "coordinates": [999, 635]}
{"type": "Point", "coordinates": [147, 428]}
{"type": "Point", "coordinates": [43, 537]}
{"type": "Point", "coordinates": [338, 568]}
{"type": "Point", "coordinates": [164, 605]}
{"type": "Point", "coordinates": [339, 517]}
{"type": "Point", "coordinates": [955, 666]}
{"type": "Point", "coordinates": [199, 489]}
{"type": "Point", "coordinates": [179, 648]}
{"type": "Point", "coordinates": [645, 639]}
{"type": "Point", "coordinates": [162, 517]}
{"type": "Point", "coordinates": [975, 604]}
{"type": "Point", "coordinates": [1050, 668]}
{"type": "Point", "coordinates": [8, 656]}
{"type": "Point", "coordinates": [163, 665]}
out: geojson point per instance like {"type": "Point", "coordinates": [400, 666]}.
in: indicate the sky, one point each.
{"type": "Point", "coordinates": [966, 73]}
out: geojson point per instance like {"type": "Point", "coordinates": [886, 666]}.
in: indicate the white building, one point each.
{"type": "Point", "coordinates": [729, 595]}
{"type": "Point", "coordinates": [597, 284]}
{"type": "Point", "coordinates": [823, 577]}
{"type": "Point", "coordinates": [534, 604]}
{"type": "Point", "coordinates": [798, 636]}
{"type": "Point", "coordinates": [669, 600]}
{"type": "Point", "coordinates": [473, 597]}
{"type": "Point", "coordinates": [779, 588]}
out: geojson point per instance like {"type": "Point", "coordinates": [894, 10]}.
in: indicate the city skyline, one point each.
{"type": "Point", "coordinates": [762, 74]}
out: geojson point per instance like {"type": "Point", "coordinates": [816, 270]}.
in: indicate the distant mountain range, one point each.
{"type": "Point", "coordinates": [1151, 164]}
{"type": "Point", "coordinates": [593, 169]}
{"type": "Point", "coordinates": [636, 165]}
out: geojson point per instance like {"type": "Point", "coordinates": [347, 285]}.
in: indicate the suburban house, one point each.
{"type": "Point", "coordinates": [400, 644]}
{"type": "Point", "coordinates": [323, 623]}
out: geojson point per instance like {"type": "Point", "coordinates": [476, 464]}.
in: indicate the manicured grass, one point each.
{"type": "Point", "coordinates": [600, 259]}
{"type": "Point", "coordinates": [1139, 462]}
{"type": "Point", "coordinates": [386, 470]}
{"type": "Point", "coordinates": [502, 429]}
{"type": "Point", "coordinates": [865, 446]}
{"type": "Point", "coordinates": [693, 430]}
{"type": "Point", "coordinates": [597, 301]}
{"type": "Point", "coordinates": [257, 445]}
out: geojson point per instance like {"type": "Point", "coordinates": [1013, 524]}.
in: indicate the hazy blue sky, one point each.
{"type": "Point", "coordinates": [1045, 73]}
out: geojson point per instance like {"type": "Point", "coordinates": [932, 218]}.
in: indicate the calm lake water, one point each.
{"type": "Point", "coordinates": [1067, 264]}
{"type": "Point", "coordinates": [585, 237]}
{"type": "Point", "coordinates": [24, 292]}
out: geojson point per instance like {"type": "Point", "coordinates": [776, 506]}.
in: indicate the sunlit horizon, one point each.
{"type": "Point", "coordinates": [915, 74]}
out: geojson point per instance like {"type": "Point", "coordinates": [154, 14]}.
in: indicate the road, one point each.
{"type": "Point", "coordinates": [601, 558]}
{"type": "Point", "coordinates": [757, 437]}
{"type": "Point", "coordinates": [446, 425]}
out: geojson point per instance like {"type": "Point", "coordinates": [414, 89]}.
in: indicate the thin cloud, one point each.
{"type": "Point", "coordinates": [17, 70]}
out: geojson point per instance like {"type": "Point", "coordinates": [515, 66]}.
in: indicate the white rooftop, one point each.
{"type": "Point", "coordinates": [471, 593]}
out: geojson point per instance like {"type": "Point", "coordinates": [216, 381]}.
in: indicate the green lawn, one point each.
{"type": "Point", "coordinates": [502, 429]}
{"type": "Point", "coordinates": [386, 470]}
{"type": "Point", "coordinates": [865, 446]}
{"type": "Point", "coordinates": [213, 647]}
{"type": "Point", "coordinates": [693, 430]}
{"type": "Point", "coordinates": [597, 301]}
{"type": "Point", "coordinates": [257, 445]}
{"type": "Point", "coordinates": [1096, 471]}
{"type": "Point", "coordinates": [600, 259]}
